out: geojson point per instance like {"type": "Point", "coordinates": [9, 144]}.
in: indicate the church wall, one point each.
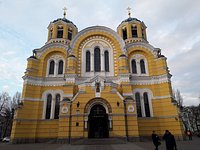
{"type": "Point", "coordinates": [160, 124]}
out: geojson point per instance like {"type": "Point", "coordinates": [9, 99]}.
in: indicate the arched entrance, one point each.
{"type": "Point", "coordinates": [98, 123]}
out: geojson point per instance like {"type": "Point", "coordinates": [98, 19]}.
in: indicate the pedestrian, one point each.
{"type": "Point", "coordinates": [169, 141]}
{"type": "Point", "coordinates": [155, 139]}
{"type": "Point", "coordinates": [189, 134]}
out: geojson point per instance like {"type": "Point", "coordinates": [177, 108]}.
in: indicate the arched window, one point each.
{"type": "Point", "coordinates": [133, 65]}
{"type": "Point", "coordinates": [70, 34]}
{"type": "Point", "coordinates": [134, 31]}
{"type": "Point", "coordinates": [57, 106]}
{"type": "Point", "coordinates": [87, 61]}
{"type": "Point", "coordinates": [143, 32]}
{"type": "Point", "coordinates": [146, 104]}
{"type": "Point", "coordinates": [51, 33]}
{"type": "Point", "coordinates": [106, 57]}
{"type": "Point", "coordinates": [138, 104]}
{"type": "Point", "coordinates": [60, 67]}
{"type": "Point", "coordinates": [142, 66]}
{"type": "Point", "coordinates": [60, 32]}
{"type": "Point", "coordinates": [48, 106]}
{"type": "Point", "coordinates": [51, 67]}
{"type": "Point", "coordinates": [124, 33]}
{"type": "Point", "coordinates": [97, 60]}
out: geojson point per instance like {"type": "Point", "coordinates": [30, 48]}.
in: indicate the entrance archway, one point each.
{"type": "Point", "coordinates": [98, 123]}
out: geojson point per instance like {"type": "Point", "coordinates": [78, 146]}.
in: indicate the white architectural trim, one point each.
{"type": "Point", "coordinates": [90, 46]}
{"type": "Point", "coordinates": [138, 58]}
{"type": "Point", "coordinates": [56, 59]}
{"type": "Point", "coordinates": [140, 45]}
{"type": "Point", "coordinates": [98, 29]}
{"type": "Point", "coordinates": [42, 50]}
{"type": "Point", "coordinates": [98, 103]}
{"type": "Point", "coordinates": [31, 99]}
{"type": "Point", "coordinates": [150, 96]}
{"type": "Point", "coordinates": [44, 99]}
{"type": "Point", "coordinates": [120, 96]}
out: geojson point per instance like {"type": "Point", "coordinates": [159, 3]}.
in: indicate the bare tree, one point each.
{"type": "Point", "coordinates": [4, 101]}
{"type": "Point", "coordinates": [179, 98]}
{"type": "Point", "coordinates": [8, 106]}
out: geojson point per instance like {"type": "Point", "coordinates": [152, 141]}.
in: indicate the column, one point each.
{"type": "Point", "coordinates": [52, 107]}
{"type": "Point", "coordinates": [85, 120]}
{"type": "Point", "coordinates": [92, 62]}
{"type": "Point", "coordinates": [102, 63]}
{"type": "Point", "coordinates": [56, 68]}
{"type": "Point", "coordinates": [110, 122]}
{"type": "Point", "coordinates": [142, 105]}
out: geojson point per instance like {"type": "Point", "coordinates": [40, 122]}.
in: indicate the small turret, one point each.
{"type": "Point", "coordinates": [132, 29]}
{"type": "Point", "coordinates": [61, 30]}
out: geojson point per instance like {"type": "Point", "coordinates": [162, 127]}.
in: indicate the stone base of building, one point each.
{"type": "Point", "coordinates": [33, 140]}
{"type": "Point", "coordinates": [133, 139]}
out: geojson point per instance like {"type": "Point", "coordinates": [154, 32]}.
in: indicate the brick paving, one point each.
{"type": "Point", "coordinates": [182, 145]}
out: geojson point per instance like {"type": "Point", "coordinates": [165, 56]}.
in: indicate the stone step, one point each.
{"type": "Point", "coordinates": [103, 141]}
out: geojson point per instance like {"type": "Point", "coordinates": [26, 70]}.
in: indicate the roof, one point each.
{"type": "Point", "coordinates": [65, 20]}
{"type": "Point", "coordinates": [130, 19]}
{"type": "Point", "coordinates": [122, 55]}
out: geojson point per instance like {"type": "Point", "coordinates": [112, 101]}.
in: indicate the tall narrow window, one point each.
{"type": "Point", "coordinates": [48, 106]}
{"type": "Point", "coordinates": [106, 57]}
{"type": "Point", "coordinates": [142, 66]}
{"type": "Point", "coordinates": [87, 61]}
{"type": "Point", "coordinates": [146, 104]}
{"type": "Point", "coordinates": [57, 106]}
{"type": "Point", "coordinates": [124, 33]}
{"type": "Point", "coordinates": [134, 31]}
{"type": "Point", "coordinates": [133, 65]}
{"type": "Point", "coordinates": [51, 33]}
{"type": "Point", "coordinates": [51, 67]}
{"type": "Point", "coordinates": [70, 34]}
{"type": "Point", "coordinates": [138, 104]}
{"type": "Point", "coordinates": [143, 34]}
{"type": "Point", "coordinates": [60, 32]}
{"type": "Point", "coordinates": [97, 60]}
{"type": "Point", "coordinates": [60, 67]}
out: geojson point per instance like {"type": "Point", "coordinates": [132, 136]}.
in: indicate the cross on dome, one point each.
{"type": "Point", "coordinates": [65, 12]}
{"type": "Point", "coordinates": [129, 12]}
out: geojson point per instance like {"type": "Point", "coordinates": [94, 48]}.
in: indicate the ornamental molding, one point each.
{"type": "Point", "coordinates": [42, 50]}
{"type": "Point", "coordinates": [98, 29]}
{"type": "Point", "coordinates": [110, 81]}
{"type": "Point", "coordinates": [30, 99]}
{"type": "Point", "coordinates": [48, 81]}
{"type": "Point", "coordinates": [147, 46]}
{"type": "Point", "coordinates": [149, 80]}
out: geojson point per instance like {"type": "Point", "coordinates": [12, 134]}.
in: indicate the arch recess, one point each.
{"type": "Point", "coordinates": [96, 30]}
{"type": "Point", "coordinates": [97, 101]}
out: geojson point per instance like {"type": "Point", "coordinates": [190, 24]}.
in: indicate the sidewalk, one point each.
{"type": "Point", "coordinates": [182, 145]}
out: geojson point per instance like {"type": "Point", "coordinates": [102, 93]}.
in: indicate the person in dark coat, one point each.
{"type": "Point", "coordinates": [170, 141]}
{"type": "Point", "coordinates": [155, 139]}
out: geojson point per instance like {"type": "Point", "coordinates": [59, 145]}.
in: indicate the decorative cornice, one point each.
{"type": "Point", "coordinates": [110, 81]}
{"type": "Point", "coordinates": [145, 45]}
{"type": "Point", "coordinates": [98, 29]}
{"type": "Point", "coordinates": [46, 81]}
{"type": "Point", "coordinates": [43, 49]}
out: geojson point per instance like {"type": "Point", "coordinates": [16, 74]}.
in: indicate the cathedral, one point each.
{"type": "Point", "coordinates": [95, 83]}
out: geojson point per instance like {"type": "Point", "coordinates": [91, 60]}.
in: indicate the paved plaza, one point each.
{"type": "Point", "coordinates": [182, 145]}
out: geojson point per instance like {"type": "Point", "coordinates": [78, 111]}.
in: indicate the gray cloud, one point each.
{"type": "Point", "coordinates": [172, 25]}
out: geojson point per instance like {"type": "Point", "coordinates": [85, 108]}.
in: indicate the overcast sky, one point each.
{"type": "Point", "coordinates": [172, 25]}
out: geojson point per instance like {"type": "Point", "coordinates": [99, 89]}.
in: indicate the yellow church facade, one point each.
{"type": "Point", "coordinates": [95, 83]}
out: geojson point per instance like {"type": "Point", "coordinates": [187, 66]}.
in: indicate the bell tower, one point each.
{"type": "Point", "coordinates": [61, 30]}
{"type": "Point", "coordinates": [132, 29]}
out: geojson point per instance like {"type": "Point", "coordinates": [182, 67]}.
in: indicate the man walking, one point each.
{"type": "Point", "coordinates": [170, 141]}
{"type": "Point", "coordinates": [155, 139]}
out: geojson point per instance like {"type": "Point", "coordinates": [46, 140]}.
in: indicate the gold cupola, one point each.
{"type": "Point", "coordinates": [61, 30]}
{"type": "Point", "coordinates": [132, 29]}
